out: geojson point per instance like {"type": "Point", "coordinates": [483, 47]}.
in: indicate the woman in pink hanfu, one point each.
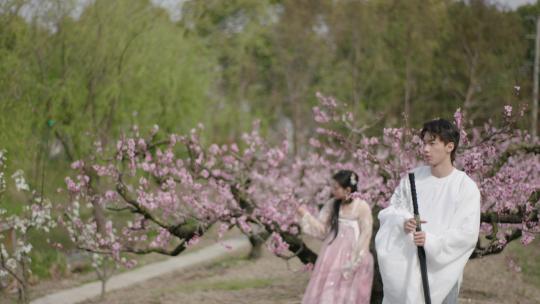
{"type": "Point", "coordinates": [343, 273]}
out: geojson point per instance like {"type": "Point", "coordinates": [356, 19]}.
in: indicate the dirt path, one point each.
{"type": "Point", "coordinates": [145, 273]}
{"type": "Point", "coordinates": [271, 280]}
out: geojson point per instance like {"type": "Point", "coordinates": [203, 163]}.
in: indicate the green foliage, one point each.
{"type": "Point", "coordinates": [226, 63]}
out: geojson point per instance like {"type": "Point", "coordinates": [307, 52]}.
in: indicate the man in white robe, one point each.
{"type": "Point", "coordinates": [449, 207]}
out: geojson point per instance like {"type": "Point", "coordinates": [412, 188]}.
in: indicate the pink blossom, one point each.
{"type": "Point", "coordinates": [77, 165]}
{"type": "Point", "coordinates": [320, 115]}
{"type": "Point", "coordinates": [276, 244]}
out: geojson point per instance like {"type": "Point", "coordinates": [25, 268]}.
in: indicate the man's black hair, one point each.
{"type": "Point", "coordinates": [445, 130]}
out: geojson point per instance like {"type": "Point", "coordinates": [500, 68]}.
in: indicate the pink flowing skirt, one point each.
{"type": "Point", "coordinates": [328, 285]}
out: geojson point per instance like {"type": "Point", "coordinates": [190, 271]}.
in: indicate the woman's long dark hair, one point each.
{"type": "Point", "coordinates": [346, 179]}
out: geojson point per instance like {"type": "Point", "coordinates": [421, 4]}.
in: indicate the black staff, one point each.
{"type": "Point", "coordinates": [421, 251]}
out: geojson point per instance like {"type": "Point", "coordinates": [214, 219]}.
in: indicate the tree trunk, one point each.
{"type": "Point", "coordinates": [408, 93]}
{"type": "Point", "coordinates": [471, 87]}
{"type": "Point", "coordinates": [23, 283]}
{"type": "Point", "coordinates": [377, 287]}
{"type": "Point", "coordinates": [257, 241]}
{"type": "Point", "coordinates": [103, 288]}
{"type": "Point", "coordinates": [23, 297]}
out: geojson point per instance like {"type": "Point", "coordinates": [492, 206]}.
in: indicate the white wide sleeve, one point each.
{"type": "Point", "coordinates": [319, 226]}
{"type": "Point", "coordinates": [461, 237]}
{"type": "Point", "coordinates": [396, 253]}
{"type": "Point", "coordinates": [391, 238]}
{"type": "Point", "coordinates": [399, 208]}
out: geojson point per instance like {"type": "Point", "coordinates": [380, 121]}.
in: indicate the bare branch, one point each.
{"type": "Point", "coordinates": [494, 246]}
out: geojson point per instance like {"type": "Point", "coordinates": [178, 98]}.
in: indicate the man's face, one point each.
{"type": "Point", "coordinates": [435, 150]}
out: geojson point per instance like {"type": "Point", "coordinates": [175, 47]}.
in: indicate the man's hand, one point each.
{"type": "Point", "coordinates": [419, 238]}
{"type": "Point", "coordinates": [410, 225]}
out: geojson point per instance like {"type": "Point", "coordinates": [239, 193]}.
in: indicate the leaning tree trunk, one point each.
{"type": "Point", "coordinates": [257, 241]}
{"type": "Point", "coordinates": [377, 287]}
